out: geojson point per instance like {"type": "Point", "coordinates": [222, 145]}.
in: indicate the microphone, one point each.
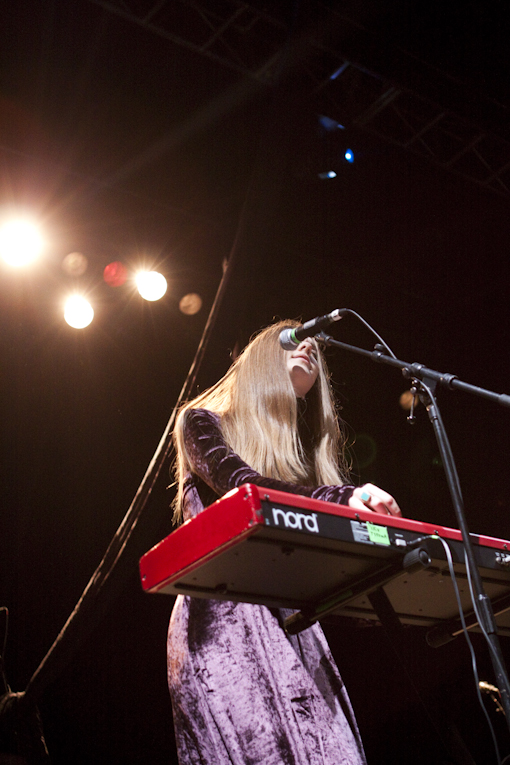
{"type": "Point", "coordinates": [292, 336]}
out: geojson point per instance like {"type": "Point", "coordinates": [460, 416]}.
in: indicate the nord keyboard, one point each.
{"type": "Point", "coordinates": [284, 550]}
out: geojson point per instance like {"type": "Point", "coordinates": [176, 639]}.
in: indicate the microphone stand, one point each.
{"type": "Point", "coordinates": [426, 380]}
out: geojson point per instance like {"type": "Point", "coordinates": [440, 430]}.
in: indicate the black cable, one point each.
{"type": "Point", "coordinates": [370, 328]}
{"type": "Point", "coordinates": [55, 659]}
{"type": "Point", "coordinates": [4, 684]}
{"type": "Point", "coordinates": [467, 636]}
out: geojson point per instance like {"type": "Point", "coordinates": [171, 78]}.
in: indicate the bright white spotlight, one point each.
{"type": "Point", "coordinates": [151, 285]}
{"type": "Point", "coordinates": [78, 312]}
{"type": "Point", "coordinates": [20, 242]}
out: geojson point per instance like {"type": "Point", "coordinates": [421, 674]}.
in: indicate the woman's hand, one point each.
{"type": "Point", "coordinates": [370, 497]}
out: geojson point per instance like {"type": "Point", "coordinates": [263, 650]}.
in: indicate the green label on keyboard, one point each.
{"type": "Point", "coordinates": [378, 534]}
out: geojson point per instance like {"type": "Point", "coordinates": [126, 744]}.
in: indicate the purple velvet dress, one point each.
{"type": "Point", "coordinates": [243, 691]}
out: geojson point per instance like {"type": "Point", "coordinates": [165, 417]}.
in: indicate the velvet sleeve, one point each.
{"type": "Point", "coordinates": [220, 468]}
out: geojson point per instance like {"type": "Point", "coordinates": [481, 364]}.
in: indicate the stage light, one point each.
{"type": "Point", "coordinates": [329, 125]}
{"type": "Point", "coordinates": [78, 312]}
{"type": "Point", "coordinates": [115, 274]}
{"type": "Point", "coordinates": [75, 264]}
{"type": "Point", "coordinates": [329, 174]}
{"type": "Point", "coordinates": [349, 155]}
{"type": "Point", "coordinates": [190, 304]}
{"type": "Point", "coordinates": [151, 285]}
{"type": "Point", "coordinates": [406, 400]}
{"type": "Point", "coordinates": [20, 242]}
{"type": "Point", "coordinates": [339, 71]}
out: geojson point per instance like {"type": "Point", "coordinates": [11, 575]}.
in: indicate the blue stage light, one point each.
{"type": "Point", "coordinates": [349, 155]}
{"type": "Point", "coordinates": [328, 124]}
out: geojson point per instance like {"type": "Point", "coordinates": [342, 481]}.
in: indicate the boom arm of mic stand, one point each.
{"type": "Point", "coordinates": [430, 378]}
{"type": "Point", "coordinates": [418, 371]}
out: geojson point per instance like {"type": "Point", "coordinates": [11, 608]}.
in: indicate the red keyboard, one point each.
{"type": "Point", "coordinates": [285, 550]}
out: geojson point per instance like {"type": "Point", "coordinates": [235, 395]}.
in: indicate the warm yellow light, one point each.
{"type": "Point", "coordinates": [78, 312]}
{"type": "Point", "coordinates": [406, 400]}
{"type": "Point", "coordinates": [20, 242]}
{"type": "Point", "coordinates": [75, 264]}
{"type": "Point", "coordinates": [151, 285]}
{"type": "Point", "coordinates": [190, 304]}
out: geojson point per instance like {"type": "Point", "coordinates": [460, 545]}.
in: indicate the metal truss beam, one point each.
{"type": "Point", "coordinates": [401, 117]}
{"type": "Point", "coordinates": [232, 33]}
{"type": "Point", "coordinates": [249, 39]}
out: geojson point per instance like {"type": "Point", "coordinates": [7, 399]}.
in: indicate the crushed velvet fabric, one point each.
{"type": "Point", "coordinates": [243, 692]}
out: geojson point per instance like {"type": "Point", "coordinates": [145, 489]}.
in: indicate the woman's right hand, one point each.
{"type": "Point", "coordinates": [371, 497]}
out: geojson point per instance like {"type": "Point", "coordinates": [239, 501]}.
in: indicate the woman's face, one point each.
{"type": "Point", "coordinates": [303, 367]}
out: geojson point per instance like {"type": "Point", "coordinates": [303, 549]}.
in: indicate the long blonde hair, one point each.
{"type": "Point", "coordinates": [259, 418]}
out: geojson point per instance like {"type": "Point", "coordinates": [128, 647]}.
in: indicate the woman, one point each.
{"type": "Point", "coordinates": [242, 690]}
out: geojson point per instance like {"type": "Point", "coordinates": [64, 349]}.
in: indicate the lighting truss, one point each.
{"type": "Point", "coordinates": [249, 38]}
{"type": "Point", "coordinates": [361, 98]}
{"type": "Point", "coordinates": [235, 34]}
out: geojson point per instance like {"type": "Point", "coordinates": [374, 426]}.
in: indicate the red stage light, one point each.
{"type": "Point", "coordinates": [115, 274]}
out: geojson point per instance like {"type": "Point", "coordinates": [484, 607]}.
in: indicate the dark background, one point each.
{"type": "Point", "coordinates": [160, 133]}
